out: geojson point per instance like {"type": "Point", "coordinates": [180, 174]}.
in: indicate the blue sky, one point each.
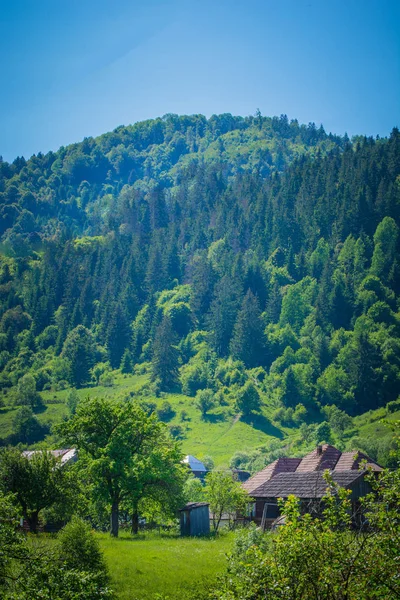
{"type": "Point", "coordinates": [72, 68]}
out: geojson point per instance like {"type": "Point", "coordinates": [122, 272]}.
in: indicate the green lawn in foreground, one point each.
{"type": "Point", "coordinates": [167, 567]}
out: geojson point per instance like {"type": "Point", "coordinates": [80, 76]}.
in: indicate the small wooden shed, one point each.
{"type": "Point", "coordinates": [195, 519]}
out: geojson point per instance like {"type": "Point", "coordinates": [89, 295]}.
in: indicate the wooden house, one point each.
{"type": "Point", "coordinates": [195, 519]}
{"type": "Point", "coordinates": [304, 478]}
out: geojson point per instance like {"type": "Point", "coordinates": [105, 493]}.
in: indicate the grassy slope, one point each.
{"type": "Point", "coordinates": [171, 567]}
{"type": "Point", "coordinates": [220, 435]}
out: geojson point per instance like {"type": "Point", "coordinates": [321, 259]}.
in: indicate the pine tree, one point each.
{"type": "Point", "coordinates": [291, 393]}
{"type": "Point", "coordinates": [165, 361]}
{"type": "Point", "coordinates": [274, 304]}
{"type": "Point", "coordinates": [126, 362]}
{"type": "Point", "coordinates": [248, 344]}
{"type": "Point", "coordinates": [222, 316]}
{"type": "Point", "coordinates": [117, 337]}
{"type": "Point", "coordinates": [203, 280]}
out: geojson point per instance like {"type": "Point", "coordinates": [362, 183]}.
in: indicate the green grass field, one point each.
{"type": "Point", "coordinates": [166, 567]}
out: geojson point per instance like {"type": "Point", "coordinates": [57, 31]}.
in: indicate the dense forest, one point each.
{"type": "Point", "coordinates": [250, 260]}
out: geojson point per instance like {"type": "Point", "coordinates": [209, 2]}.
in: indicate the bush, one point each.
{"type": "Point", "coordinates": [165, 412]}
{"type": "Point", "coordinates": [393, 406]}
{"type": "Point", "coordinates": [80, 550]}
{"type": "Point", "coordinates": [248, 399]}
{"type": "Point", "coordinates": [62, 385]}
{"type": "Point", "coordinates": [72, 401]}
{"type": "Point", "coordinates": [26, 427]}
{"type": "Point", "coordinates": [184, 416]}
{"type": "Point", "coordinates": [321, 557]}
{"type": "Point", "coordinates": [205, 401]}
{"type": "Point", "coordinates": [194, 378]}
{"type": "Point", "coordinates": [323, 433]}
{"type": "Point", "coordinates": [106, 379]}
{"type": "Point", "coordinates": [176, 431]}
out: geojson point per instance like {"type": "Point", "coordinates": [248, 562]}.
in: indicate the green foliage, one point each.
{"type": "Point", "coordinates": [193, 490]}
{"type": "Point", "coordinates": [323, 433]}
{"type": "Point", "coordinates": [38, 482]}
{"type": "Point", "coordinates": [224, 494]}
{"type": "Point", "coordinates": [72, 401]}
{"type": "Point", "coordinates": [159, 241]}
{"type": "Point", "coordinates": [126, 362]}
{"type": "Point", "coordinates": [165, 356]}
{"type": "Point", "coordinates": [72, 569]}
{"type": "Point", "coordinates": [26, 392]}
{"type": "Point", "coordinates": [248, 399]}
{"type": "Point", "coordinates": [127, 456]}
{"type": "Point", "coordinates": [322, 557]}
{"type": "Point", "coordinates": [384, 256]}
{"type": "Point", "coordinates": [80, 351]}
{"type": "Point", "coordinates": [165, 412]}
{"type": "Point", "coordinates": [393, 406]}
{"type": "Point", "coordinates": [338, 419]}
{"type": "Point", "coordinates": [204, 401]}
{"type": "Point", "coordinates": [80, 550]}
{"type": "Point", "coordinates": [26, 428]}
{"type": "Point", "coordinates": [248, 342]}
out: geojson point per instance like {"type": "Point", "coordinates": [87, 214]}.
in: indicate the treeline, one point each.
{"type": "Point", "coordinates": [70, 192]}
{"type": "Point", "coordinates": [279, 286]}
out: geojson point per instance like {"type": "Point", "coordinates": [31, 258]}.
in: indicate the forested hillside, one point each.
{"type": "Point", "coordinates": [249, 263]}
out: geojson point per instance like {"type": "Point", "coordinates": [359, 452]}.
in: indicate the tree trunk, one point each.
{"type": "Point", "coordinates": [135, 521]}
{"type": "Point", "coordinates": [114, 519]}
{"type": "Point", "coordinates": [33, 521]}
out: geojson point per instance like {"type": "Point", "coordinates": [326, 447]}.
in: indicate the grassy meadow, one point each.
{"type": "Point", "coordinates": [155, 566]}
{"type": "Point", "coordinates": [166, 567]}
{"type": "Point", "coordinates": [220, 434]}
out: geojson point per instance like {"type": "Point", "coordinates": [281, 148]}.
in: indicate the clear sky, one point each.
{"type": "Point", "coordinates": [76, 68]}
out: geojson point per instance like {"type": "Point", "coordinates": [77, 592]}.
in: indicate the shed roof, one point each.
{"type": "Point", "coordinates": [193, 505]}
{"type": "Point", "coordinates": [194, 463]}
{"type": "Point", "coordinates": [304, 485]}
{"type": "Point", "coordinates": [281, 465]}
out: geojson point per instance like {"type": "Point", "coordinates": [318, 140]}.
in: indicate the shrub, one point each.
{"type": "Point", "coordinates": [106, 379]}
{"type": "Point", "coordinates": [393, 406]}
{"type": "Point", "coordinates": [248, 399]}
{"type": "Point", "coordinates": [205, 401]}
{"type": "Point", "coordinates": [184, 416]}
{"type": "Point", "coordinates": [176, 431]}
{"type": "Point", "coordinates": [72, 401]}
{"type": "Point", "coordinates": [80, 549]}
{"type": "Point", "coordinates": [165, 412]}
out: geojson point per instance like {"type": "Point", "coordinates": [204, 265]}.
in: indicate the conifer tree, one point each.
{"type": "Point", "coordinates": [222, 316]}
{"type": "Point", "coordinates": [126, 362]}
{"type": "Point", "coordinates": [165, 361]}
{"type": "Point", "coordinates": [274, 304]}
{"type": "Point", "coordinates": [117, 336]}
{"type": "Point", "coordinates": [248, 344]}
